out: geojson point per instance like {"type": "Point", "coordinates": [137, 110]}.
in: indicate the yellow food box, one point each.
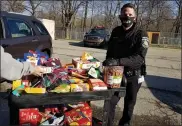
{"type": "Point", "coordinates": [16, 84]}
{"type": "Point", "coordinates": [79, 87]}
{"type": "Point", "coordinates": [35, 90]}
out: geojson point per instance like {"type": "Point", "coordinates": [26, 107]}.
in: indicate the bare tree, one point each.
{"type": "Point", "coordinates": [150, 20]}
{"type": "Point", "coordinates": [85, 15]}
{"type": "Point", "coordinates": [163, 14]}
{"type": "Point", "coordinates": [110, 12]}
{"type": "Point", "coordinates": [91, 19]}
{"type": "Point", "coordinates": [69, 9]}
{"type": "Point", "coordinates": [33, 5]}
{"type": "Point", "coordinates": [13, 5]}
{"type": "Point", "coordinates": [139, 9]}
{"type": "Point", "coordinates": [177, 22]}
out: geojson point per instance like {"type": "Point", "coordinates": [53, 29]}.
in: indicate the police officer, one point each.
{"type": "Point", "coordinates": [127, 47]}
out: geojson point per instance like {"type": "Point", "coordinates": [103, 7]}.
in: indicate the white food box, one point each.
{"type": "Point", "coordinates": [85, 65]}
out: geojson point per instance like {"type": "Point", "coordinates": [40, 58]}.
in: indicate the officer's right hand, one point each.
{"type": "Point", "coordinates": [111, 62]}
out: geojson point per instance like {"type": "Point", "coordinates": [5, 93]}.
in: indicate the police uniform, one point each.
{"type": "Point", "coordinates": [129, 47]}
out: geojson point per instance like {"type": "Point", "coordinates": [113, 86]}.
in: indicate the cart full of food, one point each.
{"type": "Point", "coordinates": [83, 74]}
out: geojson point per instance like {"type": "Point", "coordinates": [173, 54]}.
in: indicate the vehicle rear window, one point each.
{"type": "Point", "coordinates": [41, 28]}
{"type": "Point", "coordinates": [97, 31]}
{"type": "Point", "coordinates": [1, 30]}
{"type": "Point", "coordinates": [19, 28]}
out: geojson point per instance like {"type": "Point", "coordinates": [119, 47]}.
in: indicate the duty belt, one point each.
{"type": "Point", "coordinates": [130, 73]}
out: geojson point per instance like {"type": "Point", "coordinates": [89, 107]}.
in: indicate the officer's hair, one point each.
{"type": "Point", "coordinates": [130, 5]}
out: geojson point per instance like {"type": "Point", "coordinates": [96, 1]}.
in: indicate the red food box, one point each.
{"type": "Point", "coordinates": [53, 110]}
{"type": "Point", "coordinates": [81, 116]}
{"type": "Point", "coordinates": [29, 117]}
{"type": "Point", "coordinates": [97, 84]}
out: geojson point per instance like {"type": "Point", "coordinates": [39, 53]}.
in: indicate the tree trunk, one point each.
{"type": "Point", "coordinates": [106, 13]}
{"type": "Point", "coordinates": [91, 22]}
{"type": "Point", "coordinates": [67, 32]}
{"type": "Point", "coordinates": [178, 25]}
{"type": "Point", "coordinates": [85, 16]}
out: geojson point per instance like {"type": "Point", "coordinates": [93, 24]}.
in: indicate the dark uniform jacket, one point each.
{"type": "Point", "coordinates": [130, 47]}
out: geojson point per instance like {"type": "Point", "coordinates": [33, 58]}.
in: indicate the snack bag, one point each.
{"type": "Point", "coordinates": [79, 87]}
{"type": "Point", "coordinates": [62, 88]}
{"type": "Point", "coordinates": [53, 62]}
{"type": "Point", "coordinates": [75, 80]}
{"type": "Point", "coordinates": [86, 56]}
{"type": "Point", "coordinates": [79, 117]}
{"type": "Point", "coordinates": [32, 60]}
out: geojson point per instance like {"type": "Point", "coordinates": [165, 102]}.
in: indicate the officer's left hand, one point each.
{"type": "Point", "coordinates": [111, 62]}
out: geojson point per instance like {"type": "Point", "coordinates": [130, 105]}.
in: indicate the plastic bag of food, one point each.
{"type": "Point", "coordinates": [79, 87]}
{"type": "Point", "coordinates": [113, 76]}
{"type": "Point", "coordinates": [63, 88]}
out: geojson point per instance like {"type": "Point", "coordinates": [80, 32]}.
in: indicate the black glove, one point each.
{"type": "Point", "coordinates": [111, 62]}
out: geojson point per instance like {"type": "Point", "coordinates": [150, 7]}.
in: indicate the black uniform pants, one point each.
{"type": "Point", "coordinates": [129, 101]}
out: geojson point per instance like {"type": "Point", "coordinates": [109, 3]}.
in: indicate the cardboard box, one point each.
{"type": "Point", "coordinates": [97, 84]}
{"type": "Point", "coordinates": [79, 64]}
{"type": "Point", "coordinates": [16, 84]}
{"type": "Point", "coordinates": [29, 117]}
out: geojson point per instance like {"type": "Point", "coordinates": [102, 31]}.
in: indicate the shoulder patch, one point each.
{"type": "Point", "coordinates": [145, 42]}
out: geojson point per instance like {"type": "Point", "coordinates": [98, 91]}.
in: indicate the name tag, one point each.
{"type": "Point", "coordinates": [141, 79]}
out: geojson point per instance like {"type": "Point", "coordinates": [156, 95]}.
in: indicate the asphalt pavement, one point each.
{"type": "Point", "coordinates": [159, 99]}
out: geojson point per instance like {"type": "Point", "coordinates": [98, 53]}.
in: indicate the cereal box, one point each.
{"type": "Point", "coordinates": [29, 116]}
{"type": "Point", "coordinates": [79, 64]}
{"type": "Point", "coordinates": [97, 84]}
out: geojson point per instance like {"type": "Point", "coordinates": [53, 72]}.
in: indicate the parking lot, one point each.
{"type": "Point", "coordinates": [158, 101]}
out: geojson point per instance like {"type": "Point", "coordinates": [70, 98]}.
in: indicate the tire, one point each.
{"type": "Point", "coordinates": [103, 44]}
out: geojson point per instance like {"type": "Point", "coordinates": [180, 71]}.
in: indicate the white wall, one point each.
{"type": "Point", "coordinates": [50, 26]}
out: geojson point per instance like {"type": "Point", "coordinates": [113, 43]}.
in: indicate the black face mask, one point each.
{"type": "Point", "coordinates": [127, 21]}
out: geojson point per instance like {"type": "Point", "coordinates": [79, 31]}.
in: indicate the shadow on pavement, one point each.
{"type": "Point", "coordinates": [80, 44]}
{"type": "Point", "coordinates": [168, 97]}
{"type": "Point", "coordinates": [138, 120]}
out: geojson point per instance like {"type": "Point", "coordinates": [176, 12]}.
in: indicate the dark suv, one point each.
{"type": "Point", "coordinates": [97, 36]}
{"type": "Point", "coordinates": [20, 33]}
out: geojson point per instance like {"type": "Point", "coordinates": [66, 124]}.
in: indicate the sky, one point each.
{"type": "Point", "coordinates": [81, 9]}
{"type": "Point", "coordinates": [26, 3]}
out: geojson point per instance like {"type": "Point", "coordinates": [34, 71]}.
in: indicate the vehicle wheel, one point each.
{"type": "Point", "coordinates": [103, 45]}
